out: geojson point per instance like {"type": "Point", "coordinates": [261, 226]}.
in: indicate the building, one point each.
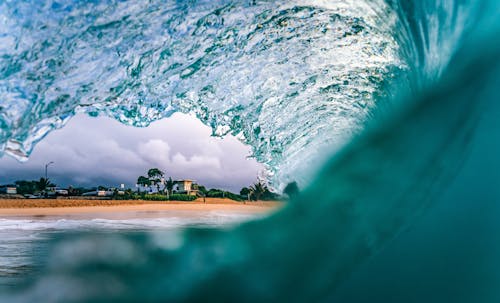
{"type": "Point", "coordinates": [186, 187]}
{"type": "Point", "coordinates": [9, 190]}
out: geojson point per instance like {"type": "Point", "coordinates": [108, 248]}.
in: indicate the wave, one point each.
{"type": "Point", "coordinates": [139, 63]}
{"type": "Point", "coordinates": [168, 221]}
{"type": "Point", "coordinates": [410, 85]}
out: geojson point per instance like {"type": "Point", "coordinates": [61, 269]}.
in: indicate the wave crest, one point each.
{"type": "Point", "coordinates": [288, 79]}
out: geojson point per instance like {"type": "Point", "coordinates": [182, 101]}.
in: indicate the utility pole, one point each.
{"type": "Point", "coordinates": [46, 166]}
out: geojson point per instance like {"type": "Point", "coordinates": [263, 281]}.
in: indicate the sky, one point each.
{"type": "Point", "coordinates": [92, 151]}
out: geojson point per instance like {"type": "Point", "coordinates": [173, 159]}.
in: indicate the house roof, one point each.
{"type": "Point", "coordinates": [185, 180]}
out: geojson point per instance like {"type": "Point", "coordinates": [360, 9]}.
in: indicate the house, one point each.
{"type": "Point", "coordinates": [10, 190]}
{"type": "Point", "coordinates": [186, 187]}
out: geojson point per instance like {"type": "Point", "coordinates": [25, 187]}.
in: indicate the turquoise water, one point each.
{"type": "Point", "coordinates": [397, 99]}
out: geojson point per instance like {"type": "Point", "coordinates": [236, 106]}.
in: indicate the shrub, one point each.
{"type": "Point", "coordinates": [215, 193]}
{"type": "Point", "coordinates": [232, 196]}
{"type": "Point", "coordinates": [155, 197]}
{"type": "Point", "coordinates": [180, 197]}
{"type": "Point", "coordinates": [128, 196]}
{"type": "Point", "coordinates": [218, 193]}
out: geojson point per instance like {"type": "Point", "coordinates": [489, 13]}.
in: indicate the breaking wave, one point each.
{"type": "Point", "coordinates": [405, 92]}
{"type": "Point", "coordinates": [288, 78]}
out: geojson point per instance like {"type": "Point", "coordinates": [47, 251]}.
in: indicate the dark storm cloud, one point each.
{"type": "Point", "coordinates": [92, 151]}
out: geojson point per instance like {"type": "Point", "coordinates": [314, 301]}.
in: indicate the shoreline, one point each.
{"type": "Point", "coordinates": [126, 208]}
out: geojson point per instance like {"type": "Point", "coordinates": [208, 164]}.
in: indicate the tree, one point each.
{"type": "Point", "coordinates": [155, 175]}
{"type": "Point", "coordinates": [143, 181]}
{"type": "Point", "coordinates": [291, 190]}
{"type": "Point", "coordinates": [202, 189]}
{"type": "Point", "coordinates": [26, 187]}
{"type": "Point", "coordinates": [245, 192]}
{"type": "Point", "coordinates": [43, 184]}
{"type": "Point", "coordinates": [258, 189]}
{"type": "Point", "coordinates": [169, 184]}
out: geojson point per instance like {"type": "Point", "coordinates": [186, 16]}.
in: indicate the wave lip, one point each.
{"type": "Point", "coordinates": [322, 67]}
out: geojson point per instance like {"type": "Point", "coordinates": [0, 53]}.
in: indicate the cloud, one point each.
{"type": "Point", "coordinates": [197, 161]}
{"type": "Point", "coordinates": [155, 151]}
{"type": "Point", "coordinates": [91, 151]}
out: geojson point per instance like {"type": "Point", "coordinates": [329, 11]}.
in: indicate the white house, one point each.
{"type": "Point", "coordinates": [10, 190]}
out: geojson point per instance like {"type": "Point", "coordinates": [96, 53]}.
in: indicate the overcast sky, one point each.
{"type": "Point", "coordinates": [101, 151]}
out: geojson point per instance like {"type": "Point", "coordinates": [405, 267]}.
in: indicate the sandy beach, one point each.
{"type": "Point", "coordinates": [125, 208]}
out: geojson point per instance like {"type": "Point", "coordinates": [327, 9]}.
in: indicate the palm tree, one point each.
{"type": "Point", "coordinates": [44, 183]}
{"type": "Point", "coordinates": [155, 176]}
{"type": "Point", "coordinates": [258, 189]}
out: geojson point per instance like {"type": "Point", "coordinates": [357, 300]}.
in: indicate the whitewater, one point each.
{"type": "Point", "coordinates": [386, 113]}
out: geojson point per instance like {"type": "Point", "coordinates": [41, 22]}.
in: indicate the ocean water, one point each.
{"type": "Point", "coordinates": [385, 112]}
{"type": "Point", "coordinates": [25, 241]}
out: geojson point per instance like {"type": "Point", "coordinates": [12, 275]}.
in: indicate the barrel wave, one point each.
{"type": "Point", "coordinates": [287, 79]}
{"type": "Point", "coordinates": [397, 102]}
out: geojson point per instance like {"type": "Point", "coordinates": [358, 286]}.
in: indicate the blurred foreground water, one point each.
{"type": "Point", "coordinates": [24, 241]}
